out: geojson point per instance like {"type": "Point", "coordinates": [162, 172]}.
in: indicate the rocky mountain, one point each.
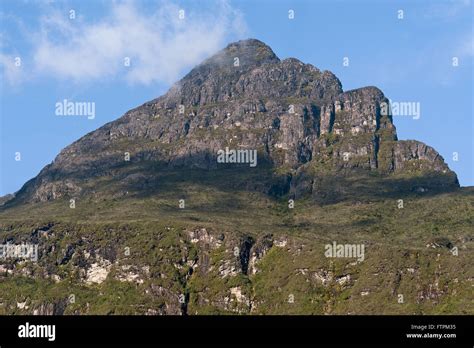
{"type": "Point", "coordinates": [297, 118]}
{"type": "Point", "coordinates": [223, 196]}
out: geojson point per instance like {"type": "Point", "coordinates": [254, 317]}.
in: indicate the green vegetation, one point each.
{"type": "Point", "coordinates": [407, 250]}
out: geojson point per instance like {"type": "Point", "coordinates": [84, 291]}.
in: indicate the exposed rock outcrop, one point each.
{"type": "Point", "coordinates": [297, 117]}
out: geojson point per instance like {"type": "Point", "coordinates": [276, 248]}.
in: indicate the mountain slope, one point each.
{"type": "Point", "coordinates": [296, 117]}
{"type": "Point", "coordinates": [159, 226]}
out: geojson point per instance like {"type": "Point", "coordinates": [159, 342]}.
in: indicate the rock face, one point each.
{"type": "Point", "coordinates": [297, 118]}
{"type": "Point", "coordinates": [6, 198]}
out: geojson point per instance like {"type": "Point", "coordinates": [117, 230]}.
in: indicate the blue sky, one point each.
{"type": "Point", "coordinates": [82, 59]}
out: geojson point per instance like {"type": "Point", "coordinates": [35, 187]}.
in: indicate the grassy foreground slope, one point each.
{"type": "Point", "coordinates": [231, 250]}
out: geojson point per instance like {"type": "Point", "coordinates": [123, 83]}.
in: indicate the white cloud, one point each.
{"type": "Point", "coordinates": [466, 46]}
{"type": "Point", "coordinates": [10, 71]}
{"type": "Point", "coordinates": [448, 10]}
{"type": "Point", "coordinates": [160, 45]}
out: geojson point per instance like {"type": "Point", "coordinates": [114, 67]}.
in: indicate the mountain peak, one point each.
{"type": "Point", "coordinates": [252, 48]}
{"type": "Point", "coordinates": [244, 54]}
{"type": "Point", "coordinates": [249, 69]}
{"type": "Point", "coordinates": [296, 117]}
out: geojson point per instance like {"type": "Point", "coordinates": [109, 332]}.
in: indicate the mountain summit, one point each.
{"type": "Point", "coordinates": [224, 196]}
{"type": "Point", "coordinates": [311, 137]}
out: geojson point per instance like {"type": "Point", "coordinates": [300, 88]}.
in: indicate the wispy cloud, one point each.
{"type": "Point", "coordinates": [10, 64]}
{"type": "Point", "coordinates": [11, 72]}
{"type": "Point", "coordinates": [447, 10]}
{"type": "Point", "coordinates": [465, 47]}
{"type": "Point", "coordinates": [159, 45]}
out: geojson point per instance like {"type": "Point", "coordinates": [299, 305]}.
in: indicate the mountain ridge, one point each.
{"type": "Point", "coordinates": [293, 114]}
{"type": "Point", "coordinates": [172, 231]}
